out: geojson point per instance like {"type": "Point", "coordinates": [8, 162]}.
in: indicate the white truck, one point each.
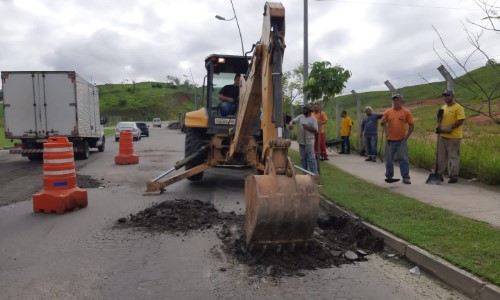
{"type": "Point", "coordinates": [40, 104]}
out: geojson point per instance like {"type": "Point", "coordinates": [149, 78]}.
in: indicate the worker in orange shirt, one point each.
{"type": "Point", "coordinates": [321, 118]}
{"type": "Point", "coordinates": [398, 122]}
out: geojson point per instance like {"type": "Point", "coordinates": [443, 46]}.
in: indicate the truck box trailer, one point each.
{"type": "Point", "coordinates": [40, 104]}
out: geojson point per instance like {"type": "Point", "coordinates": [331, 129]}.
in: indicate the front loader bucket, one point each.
{"type": "Point", "coordinates": [280, 210]}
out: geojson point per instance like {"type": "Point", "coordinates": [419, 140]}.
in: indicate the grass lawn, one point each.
{"type": "Point", "coordinates": [471, 245]}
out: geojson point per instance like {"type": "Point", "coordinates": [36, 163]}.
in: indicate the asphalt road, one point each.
{"type": "Point", "coordinates": [79, 255]}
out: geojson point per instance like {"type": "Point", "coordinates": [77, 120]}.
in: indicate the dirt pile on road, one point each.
{"type": "Point", "coordinates": [87, 182]}
{"type": "Point", "coordinates": [178, 215]}
{"type": "Point", "coordinates": [336, 241]}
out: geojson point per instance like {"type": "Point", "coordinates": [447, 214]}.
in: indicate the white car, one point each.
{"type": "Point", "coordinates": [156, 122]}
{"type": "Point", "coordinates": [136, 132]}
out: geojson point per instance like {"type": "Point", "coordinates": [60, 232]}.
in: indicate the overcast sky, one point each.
{"type": "Point", "coordinates": [111, 41]}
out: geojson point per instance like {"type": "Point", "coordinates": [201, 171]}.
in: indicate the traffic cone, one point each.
{"type": "Point", "coordinates": [126, 155]}
{"type": "Point", "coordinates": [60, 192]}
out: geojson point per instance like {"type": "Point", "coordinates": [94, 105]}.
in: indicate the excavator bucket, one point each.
{"type": "Point", "coordinates": [280, 210]}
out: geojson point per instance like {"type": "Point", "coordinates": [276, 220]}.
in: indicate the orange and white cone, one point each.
{"type": "Point", "coordinates": [60, 192]}
{"type": "Point", "coordinates": [126, 155]}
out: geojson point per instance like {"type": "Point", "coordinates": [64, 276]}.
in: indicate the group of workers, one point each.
{"type": "Point", "coordinates": [397, 123]}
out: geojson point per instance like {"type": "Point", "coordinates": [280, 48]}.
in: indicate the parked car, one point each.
{"type": "Point", "coordinates": [156, 122]}
{"type": "Point", "coordinates": [143, 127]}
{"type": "Point", "coordinates": [136, 132]}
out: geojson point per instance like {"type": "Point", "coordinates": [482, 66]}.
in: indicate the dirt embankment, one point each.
{"type": "Point", "coordinates": [336, 240]}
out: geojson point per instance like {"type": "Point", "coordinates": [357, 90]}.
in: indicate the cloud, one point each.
{"type": "Point", "coordinates": [109, 41]}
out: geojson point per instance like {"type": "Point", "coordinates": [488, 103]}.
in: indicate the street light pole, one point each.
{"type": "Point", "coordinates": [237, 24]}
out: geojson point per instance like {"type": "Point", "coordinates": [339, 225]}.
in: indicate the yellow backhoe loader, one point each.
{"type": "Point", "coordinates": [281, 206]}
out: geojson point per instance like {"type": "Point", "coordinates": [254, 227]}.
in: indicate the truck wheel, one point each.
{"type": "Point", "coordinates": [103, 145]}
{"type": "Point", "coordinates": [193, 141]}
{"type": "Point", "coordinates": [83, 150]}
{"type": "Point", "coordinates": [86, 150]}
{"type": "Point", "coordinates": [35, 157]}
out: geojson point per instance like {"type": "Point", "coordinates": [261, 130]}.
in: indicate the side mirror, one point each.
{"type": "Point", "coordinates": [104, 120]}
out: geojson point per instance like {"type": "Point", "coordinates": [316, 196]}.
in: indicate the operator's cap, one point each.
{"type": "Point", "coordinates": [397, 96]}
{"type": "Point", "coordinates": [308, 106]}
{"type": "Point", "coordinates": [448, 92]}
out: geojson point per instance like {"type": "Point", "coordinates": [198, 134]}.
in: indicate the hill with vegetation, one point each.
{"type": "Point", "coordinates": [144, 101]}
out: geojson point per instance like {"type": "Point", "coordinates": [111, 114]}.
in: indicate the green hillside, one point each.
{"type": "Point", "coordinates": [487, 76]}
{"type": "Point", "coordinates": [145, 100]}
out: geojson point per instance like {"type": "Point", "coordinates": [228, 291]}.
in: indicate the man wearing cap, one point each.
{"type": "Point", "coordinates": [308, 127]}
{"type": "Point", "coordinates": [399, 126]}
{"type": "Point", "coordinates": [450, 135]}
{"type": "Point", "coordinates": [369, 129]}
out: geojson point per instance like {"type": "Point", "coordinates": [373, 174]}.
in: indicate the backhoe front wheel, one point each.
{"type": "Point", "coordinates": [193, 142]}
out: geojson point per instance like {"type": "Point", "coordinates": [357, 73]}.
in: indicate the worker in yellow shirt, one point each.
{"type": "Point", "coordinates": [345, 133]}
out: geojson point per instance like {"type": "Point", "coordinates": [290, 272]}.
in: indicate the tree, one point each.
{"type": "Point", "coordinates": [484, 94]}
{"type": "Point", "coordinates": [173, 80]}
{"type": "Point", "coordinates": [293, 85]}
{"type": "Point", "coordinates": [325, 81]}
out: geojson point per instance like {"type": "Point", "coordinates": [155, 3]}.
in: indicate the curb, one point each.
{"type": "Point", "coordinates": [461, 280]}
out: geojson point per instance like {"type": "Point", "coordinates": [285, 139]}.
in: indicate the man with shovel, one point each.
{"type": "Point", "coordinates": [449, 136]}
{"type": "Point", "coordinates": [398, 122]}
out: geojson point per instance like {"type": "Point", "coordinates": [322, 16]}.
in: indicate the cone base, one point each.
{"type": "Point", "coordinates": [59, 201]}
{"type": "Point", "coordinates": [127, 160]}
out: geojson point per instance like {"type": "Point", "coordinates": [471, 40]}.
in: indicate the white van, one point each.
{"type": "Point", "coordinates": [156, 122]}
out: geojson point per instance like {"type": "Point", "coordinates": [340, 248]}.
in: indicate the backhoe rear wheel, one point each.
{"type": "Point", "coordinates": [193, 142]}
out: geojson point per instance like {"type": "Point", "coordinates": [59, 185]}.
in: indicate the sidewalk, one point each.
{"type": "Point", "coordinates": [467, 198]}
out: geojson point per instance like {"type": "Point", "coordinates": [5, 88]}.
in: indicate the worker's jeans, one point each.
{"type": "Point", "coordinates": [449, 156]}
{"type": "Point", "coordinates": [371, 145]}
{"type": "Point", "coordinates": [346, 143]}
{"type": "Point", "coordinates": [307, 158]}
{"type": "Point", "coordinates": [227, 108]}
{"type": "Point", "coordinates": [398, 150]}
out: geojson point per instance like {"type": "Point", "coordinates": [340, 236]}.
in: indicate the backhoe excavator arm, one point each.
{"type": "Point", "coordinates": [262, 85]}
{"type": "Point", "coordinates": [281, 207]}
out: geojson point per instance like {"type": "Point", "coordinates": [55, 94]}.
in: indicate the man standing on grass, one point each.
{"type": "Point", "coordinates": [399, 126]}
{"type": "Point", "coordinates": [450, 135]}
{"type": "Point", "coordinates": [345, 132]}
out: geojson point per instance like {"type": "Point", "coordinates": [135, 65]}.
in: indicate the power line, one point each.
{"type": "Point", "coordinates": [404, 5]}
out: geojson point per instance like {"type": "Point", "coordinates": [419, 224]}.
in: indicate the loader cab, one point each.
{"type": "Point", "coordinates": [221, 70]}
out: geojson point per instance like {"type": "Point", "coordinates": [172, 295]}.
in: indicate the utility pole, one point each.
{"type": "Point", "coordinates": [450, 82]}
{"type": "Point", "coordinates": [306, 51]}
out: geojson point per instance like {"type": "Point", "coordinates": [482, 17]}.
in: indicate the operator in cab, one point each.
{"type": "Point", "coordinates": [228, 96]}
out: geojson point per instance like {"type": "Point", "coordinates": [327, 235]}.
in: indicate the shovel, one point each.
{"type": "Point", "coordinates": [436, 178]}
